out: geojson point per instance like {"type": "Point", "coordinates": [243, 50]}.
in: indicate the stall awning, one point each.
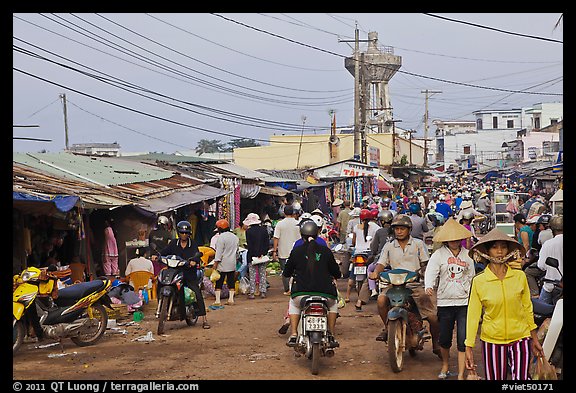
{"type": "Point", "coordinates": [558, 196]}
{"type": "Point", "coordinates": [383, 185]}
{"type": "Point", "coordinates": [182, 198]}
{"type": "Point", "coordinates": [276, 191]}
{"type": "Point", "coordinates": [41, 204]}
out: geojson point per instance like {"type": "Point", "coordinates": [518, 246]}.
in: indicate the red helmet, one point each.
{"type": "Point", "coordinates": [365, 214]}
{"type": "Point", "coordinates": [374, 213]}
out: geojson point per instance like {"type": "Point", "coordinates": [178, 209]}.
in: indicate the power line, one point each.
{"type": "Point", "coordinates": [380, 65]}
{"type": "Point", "coordinates": [148, 114]}
{"type": "Point", "coordinates": [494, 29]}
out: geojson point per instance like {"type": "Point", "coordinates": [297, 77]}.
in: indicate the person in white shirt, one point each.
{"type": "Point", "coordinates": [552, 248]}
{"type": "Point", "coordinates": [450, 271]}
{"type": "Point", "coordinates": [140, 263]}
{"type": "Point", "coordinates": [285, 235]}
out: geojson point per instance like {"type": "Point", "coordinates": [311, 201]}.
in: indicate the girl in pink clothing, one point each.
{"type": "Point", "coordinates": [110, 252]}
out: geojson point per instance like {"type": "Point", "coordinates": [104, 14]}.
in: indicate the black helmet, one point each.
{"type": "Point", "coordinates": [401, 220]}
{"type": "Point", "coordinates": [184, 227]}
{"type": "Point", "coordinates": [309, 228]}
{"type": "Point", "coordinates": [544, 219]}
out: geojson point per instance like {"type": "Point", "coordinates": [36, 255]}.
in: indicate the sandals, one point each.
{"type": "Point", "coordinates": [292, 341]}
{"type": "Point", "coordinates": [358, 308]}
{"type": "Point", "coordinates": [383, 336]}
{"type": "Point", "coordinates": [447, 374]}
{"type": "Point", "coordinates": [205, 325]}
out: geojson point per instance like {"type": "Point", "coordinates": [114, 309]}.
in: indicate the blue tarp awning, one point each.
{"type": "Point", "coordinates": [64, 203]}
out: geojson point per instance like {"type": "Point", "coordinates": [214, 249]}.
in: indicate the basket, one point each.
{"type": "Point", "coordinates": [118, 312]}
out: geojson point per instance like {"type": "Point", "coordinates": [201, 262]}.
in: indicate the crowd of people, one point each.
{"type": "Point", "coordinates": [471, 275]}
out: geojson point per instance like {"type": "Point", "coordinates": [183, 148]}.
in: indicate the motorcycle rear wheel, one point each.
{"type": "Point", "coordinates": [92, 335]}
{"type": "Point", "coordinates": [165, 300]}
{"type": "Point", "coordinates": [191, 321]}
{"type": "Point", "coordinates": [396, 340]}
{"type": "Point", "coordinates": [19, 331]}
{"type": "Point", "coordinates": [315, 356]}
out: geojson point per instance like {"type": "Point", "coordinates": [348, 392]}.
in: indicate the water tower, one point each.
{"type": "Point", "coordinates": [377, 67]}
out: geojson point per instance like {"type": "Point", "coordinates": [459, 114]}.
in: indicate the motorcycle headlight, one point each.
{"type": "Point", "coordinates": [397, 278]}
{"type": "Point", "coordinates": [28, 276]}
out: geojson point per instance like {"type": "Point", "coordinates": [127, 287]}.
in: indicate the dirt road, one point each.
{"type": "Point", "coordinates": [243, 344]}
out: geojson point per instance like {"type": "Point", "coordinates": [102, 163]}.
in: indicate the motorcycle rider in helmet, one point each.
{"type": "Point", "coordinates": [406, 252]}
{"type": "Point", "coordinates": [187, 249]}
{"type": "Point", "coordinates": [160, 236]}
{"type": "Point", "coordinates": [466, 221]}
{"type": "Point", "coordinates": [545, 231]}
{"type": "Point", "coordinates": [314, 270]}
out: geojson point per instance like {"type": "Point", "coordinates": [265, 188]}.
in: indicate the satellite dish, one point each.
{"type": "Point", "coordinates": [334, 140]}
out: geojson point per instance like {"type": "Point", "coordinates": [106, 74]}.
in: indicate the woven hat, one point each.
{"type": "Point", "coordinates": [466, 204]}
{"type": "Point", "coordinates": [450, 231]}
{"type": "Point", "coordinates": [494, 235]}
{"type": "Point", "coordinates": [355, 212]}
{"type": "Point", "coordinates": [251, 219]}
{"type": "Point", "coordinates": [337, 202]}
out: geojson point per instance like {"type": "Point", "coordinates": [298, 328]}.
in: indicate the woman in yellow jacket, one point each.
{"type": "Point", "coordinates": [501, 297]}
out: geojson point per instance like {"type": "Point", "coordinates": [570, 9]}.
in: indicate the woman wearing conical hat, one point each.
{"type": "Point", "coordinates": [501, 297]}
{"type": "Point", "coordinates": [450, 271]}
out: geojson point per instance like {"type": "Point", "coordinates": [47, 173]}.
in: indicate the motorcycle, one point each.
{"type": "Point", "coordinates": [77, 312]}
{"type": "Point", "coordinates": [405, 324]}
{"type": "Point", "coordinates": [171, 290]}
{"type": "Point", "coordinates": [359, 266]}
{"type": "Point", "coordinates": [553, 340]}
{"type": "Point", "coordinates": [313, 340]}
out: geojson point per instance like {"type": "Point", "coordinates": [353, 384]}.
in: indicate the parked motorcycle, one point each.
{"type": "Point", "coordinates": [170, 292]}
{"type": "Point", "coordinates": [405, 324]}
{"type": "Point", "coordinates": [313, 341]}
{"type": "Point", "coordinates": [553, 344]}
{"type": "Point", "coordinates": [76, 312]}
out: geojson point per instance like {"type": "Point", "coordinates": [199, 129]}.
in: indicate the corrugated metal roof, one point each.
{"type": "Point", "coordinates": [105, 171]}
{"type": "Point", "coordinates": [241, 171]}
{"type": "Point", "coordinates": [170, 158]}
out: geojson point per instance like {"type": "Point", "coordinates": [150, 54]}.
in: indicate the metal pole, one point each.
{"type": "Point", "coordinates": [300, 146]}
{"type": "Point", "coordinates": [357, 146]}
{"type": "Point", "coordinates": [63, 97]}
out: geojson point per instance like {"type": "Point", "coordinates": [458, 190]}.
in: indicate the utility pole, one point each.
{"type": "Point", "coordinates": [357, 144]}
{"type": "Point", "coordinates": [428, 93]}
{"type": "Point", "coordinates": [63, 97]}
{"type": "Point", "coordinates": [301, 136]}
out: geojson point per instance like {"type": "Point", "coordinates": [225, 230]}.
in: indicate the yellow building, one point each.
{"type": "Point", "coordinates": [287, 152]}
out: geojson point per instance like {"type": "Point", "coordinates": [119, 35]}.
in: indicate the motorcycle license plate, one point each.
{"type": "Point", "coordinates": [359, 269]}
{"type": "Point", "coordinates": [316, 323]}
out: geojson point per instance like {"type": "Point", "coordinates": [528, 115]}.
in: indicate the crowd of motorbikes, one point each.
{"type": "Point", "coordinates": [79, 311]}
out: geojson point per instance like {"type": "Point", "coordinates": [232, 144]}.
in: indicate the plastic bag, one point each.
{"type": "Point", "coordinates": [189, 296]}
{"type": "Point", "coordinates": [544, 371]}
{"type": "Point", "coordinates": [473, 375]}
{"type": "Point", "coordinates": [341, 301]}
{"type": "Point", "coordinates": [244, 285]}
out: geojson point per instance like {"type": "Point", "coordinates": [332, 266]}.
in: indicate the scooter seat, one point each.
{"type": "Point", "coordinates": [78, 291]}
{"type": "Point", "coordinates": [312, 298]}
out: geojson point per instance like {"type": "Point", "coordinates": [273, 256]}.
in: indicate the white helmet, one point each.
{"type": "Point", "coordinates": [442, 197]}
{"type": "Point", "coordinates": [163, 220]}
{"type": "Point", "coordinates": [319, 221]}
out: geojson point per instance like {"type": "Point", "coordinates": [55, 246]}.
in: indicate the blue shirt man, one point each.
{"type": "Point", "coordinates": [444, 209]}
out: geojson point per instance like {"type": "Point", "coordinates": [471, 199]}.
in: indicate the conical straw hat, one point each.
{"type": "Point", "coordinates": [494, 235]}
{"type": "Point", "coordinates": [450, 231]}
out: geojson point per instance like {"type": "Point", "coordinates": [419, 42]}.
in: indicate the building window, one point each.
{"type": "Point", "coordinates": [466, 149]}
{"type": "Point", "coordinates": [510, 123]}
{"type": "Point", "coordinates": [479, 124]}
{"type": "Point", "coordinates": [553, 121]}
{"type": "Point", "coordinates": [495, 122]}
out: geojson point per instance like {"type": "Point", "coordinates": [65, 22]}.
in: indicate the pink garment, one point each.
{"type": "Point", "coordinates": [110, 253]}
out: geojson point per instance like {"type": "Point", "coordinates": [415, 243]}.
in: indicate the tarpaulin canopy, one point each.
{"type": "Point", "coordinates": [182, 198]}
{"type": "Point", "coordinates": [43, 204]}
{"type": "Point", "coordinates": [383, 185]}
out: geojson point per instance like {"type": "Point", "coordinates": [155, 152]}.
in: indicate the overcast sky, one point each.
{"type": "Point", "coordinates": [162, 82]}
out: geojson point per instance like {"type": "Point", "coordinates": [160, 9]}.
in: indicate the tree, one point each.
{"type": "Point", "coordinates": [404, 160]}
{"type": "Point", "coordinates": [209, 146]}
{"type": "Point", "coordinates": [241, 142]}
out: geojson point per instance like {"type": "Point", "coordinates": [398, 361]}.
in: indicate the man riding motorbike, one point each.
{"type": "Point", "coordinates": [187, 249]}
{"type": "Point", "coordinates": [408, 253]}
{"type": "Point", "coordinates": [314, 269]}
